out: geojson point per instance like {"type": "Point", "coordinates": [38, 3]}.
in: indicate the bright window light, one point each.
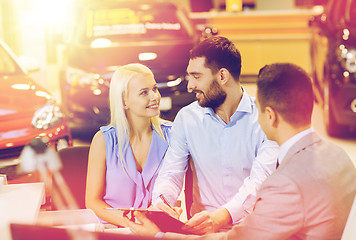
{"type": "Point", "coordinates": [147, 56]}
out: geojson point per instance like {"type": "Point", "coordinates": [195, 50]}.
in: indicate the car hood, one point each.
{"type": "Point", "coordinates": [20, 97]}
{"type": "Point", "coordinates": [172, 57]}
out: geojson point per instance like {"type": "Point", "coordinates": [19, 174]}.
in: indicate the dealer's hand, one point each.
{"type": "Point", "coordinates": [208, 222]}
{"type": "Point", "coordinates": [145, 228]}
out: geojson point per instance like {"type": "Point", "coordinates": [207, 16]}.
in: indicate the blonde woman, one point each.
{"type": "Point", "coordinates": [125, 156]}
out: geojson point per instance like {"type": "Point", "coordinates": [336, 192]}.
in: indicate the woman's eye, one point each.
{"type": "Point", "coordinates": [155, 89]}
{"type": "Point", "coordinates": [144, 93]}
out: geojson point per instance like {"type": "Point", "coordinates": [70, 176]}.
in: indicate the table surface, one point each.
{"type": "Point", "coordinates": [19, 203]}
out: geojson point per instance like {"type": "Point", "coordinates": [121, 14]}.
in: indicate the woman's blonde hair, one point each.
{"type": "Point", "coordinates": [118, 91]}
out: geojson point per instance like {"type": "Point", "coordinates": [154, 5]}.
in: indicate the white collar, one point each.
{"type": "Point", "coordinates": [284, 148]}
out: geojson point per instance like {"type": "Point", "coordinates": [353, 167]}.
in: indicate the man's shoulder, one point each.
{"type": "Point", "coordinates": [320, 158]}
{"type": "Point", "coordinates": [193, 109]}
{"type": "Point", "coordinates": [318, 148]}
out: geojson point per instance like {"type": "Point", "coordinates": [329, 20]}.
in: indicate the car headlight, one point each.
{"type": "Point", "coordinates": [79, 77]}
{"type": "Point", "coordinates": [47, 116]}
{"type": "Point", "coordinates": [347, 56]}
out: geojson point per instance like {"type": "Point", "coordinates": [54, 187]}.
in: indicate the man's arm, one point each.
{"type": "Point", "coordinates": [208, 222]}
{"type": "Point", "coordinates": [147, 228]}
{"type": "Point", "coordinates": [278, 212]}
{"type": "Point", "coordinates": [170, 179]}
{"type": "Point", "coordinates": [243, 201]}
{"type": "Point", "coordinates": [263, 165]}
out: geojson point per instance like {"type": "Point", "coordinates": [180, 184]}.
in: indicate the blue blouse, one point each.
{"type": "Point", "coordinates": [125, 186]}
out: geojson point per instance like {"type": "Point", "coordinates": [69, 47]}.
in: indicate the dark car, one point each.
{"type": "Point", "coordinates": [27, 111]}
{"type": "Point", "coordinates": [158, 34]}
{"type": "Point", "coordinates": [333, 54]}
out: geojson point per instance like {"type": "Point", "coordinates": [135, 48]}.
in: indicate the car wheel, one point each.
{"type": "Point", "coordinates": [332, 127]}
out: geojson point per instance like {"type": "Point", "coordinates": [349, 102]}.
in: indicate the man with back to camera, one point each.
{"type": "Point", "coordinates": [310, 194]}
{"type": "Point", "coordinates": [230, 154]}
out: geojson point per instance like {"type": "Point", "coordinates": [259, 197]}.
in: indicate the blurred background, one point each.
{"type": "Point", "coordinates": [77, 44]}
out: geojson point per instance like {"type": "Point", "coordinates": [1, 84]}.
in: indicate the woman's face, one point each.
{"type": "Point", "coordinates": [143, 97]}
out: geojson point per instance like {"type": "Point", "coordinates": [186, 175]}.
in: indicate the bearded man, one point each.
{"type": "Point", "coordinates": [220, 136]}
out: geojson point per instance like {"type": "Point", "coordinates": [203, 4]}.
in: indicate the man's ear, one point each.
{"type": "Point", "coordinates": [223, 75]}
{"type": "Point", "coordinates": [272, 116]}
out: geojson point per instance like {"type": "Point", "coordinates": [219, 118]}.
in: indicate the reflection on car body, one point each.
{"type": "Point", "coordinates": [27, 111]}
{"type": "Point", "coordinates": [158, 34]}
{"type": "Point", "coordinates": [333, 53]}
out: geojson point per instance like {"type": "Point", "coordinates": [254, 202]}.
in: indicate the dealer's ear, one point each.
{"type": "Point", "coordinates": [272, 116]}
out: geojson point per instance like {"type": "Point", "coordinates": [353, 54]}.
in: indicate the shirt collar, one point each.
{"type": "Point", "coordinates": [245, 105]}
{"type": "Point", "coordinates": [290, 142]}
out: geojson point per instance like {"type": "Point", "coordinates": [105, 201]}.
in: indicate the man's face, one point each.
{"type": "Point", "coordinates": [204, 84]}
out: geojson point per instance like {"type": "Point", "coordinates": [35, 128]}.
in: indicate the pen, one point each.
{"type": "Point", "coordinates": [166, 201]}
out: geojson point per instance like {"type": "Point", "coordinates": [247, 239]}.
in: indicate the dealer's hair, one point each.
{"type": "Point", "coordinates": [287, 89]}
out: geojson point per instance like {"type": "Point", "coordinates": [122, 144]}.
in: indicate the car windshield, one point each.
{"type": "Point", "coordinates": [7, 64]}
{"type": "Point", "coordinates": [138, 22]}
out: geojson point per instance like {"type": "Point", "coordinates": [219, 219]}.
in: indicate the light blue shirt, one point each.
{"type": "Point", "coordinates": [230, 160]}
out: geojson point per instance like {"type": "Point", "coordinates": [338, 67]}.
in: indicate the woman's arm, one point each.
{"type": "Point", "coordinates": [95, 187]}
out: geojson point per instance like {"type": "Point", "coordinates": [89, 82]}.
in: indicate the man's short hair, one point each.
{"type": "Point", "coordinates": [287, 89]}
{"type": "Point", "coordinates": [219, 52]}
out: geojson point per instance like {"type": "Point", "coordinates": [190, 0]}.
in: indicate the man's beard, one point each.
{"type": "Point", "coordinates": [214, 96]}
